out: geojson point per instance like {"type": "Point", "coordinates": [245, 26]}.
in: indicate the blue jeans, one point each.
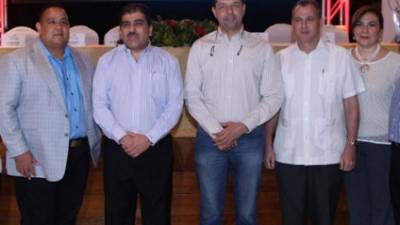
{"type": "Point", "coordinates": [245, 162]}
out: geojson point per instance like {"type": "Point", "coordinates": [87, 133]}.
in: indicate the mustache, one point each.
{"type": "Point", "coordinates": [130, 34]}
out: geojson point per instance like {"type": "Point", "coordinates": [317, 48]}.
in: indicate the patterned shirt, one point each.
{"type": "Point", "coordinates": [142, 96]}
{"type": "Point", "coordinates": [236, 79]}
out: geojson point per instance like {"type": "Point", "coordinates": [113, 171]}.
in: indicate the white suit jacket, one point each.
{"type": "Point", "coordinates": [33, 115]}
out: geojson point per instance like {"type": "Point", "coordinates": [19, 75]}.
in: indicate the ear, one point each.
{"type": "Point", "coordinates": [214, 12]}
{"type": "Point", "coordinates": [120, 33]}
{"type": "Point", "coordinates": [150, 30]}
{"type": "Point", "coordinates": [38, 28]}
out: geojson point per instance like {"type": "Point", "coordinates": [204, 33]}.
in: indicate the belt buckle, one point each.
{"type": "Point", "coordinates": [75, 143]}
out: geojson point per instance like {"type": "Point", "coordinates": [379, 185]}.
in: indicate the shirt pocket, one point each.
{"type": "Point", "coordinates": [159, 90]}
{"type": "Point", "coordinates": [286, 136]}
{"type": "Point", "coordinates": [326, 86]}
{"type": "Point", "coordinates": [323, 133]}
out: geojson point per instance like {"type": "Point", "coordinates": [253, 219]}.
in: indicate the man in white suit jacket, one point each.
{"type": "Point", "coordinates": [46, 123]}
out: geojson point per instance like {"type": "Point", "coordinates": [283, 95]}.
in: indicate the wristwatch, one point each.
{"type": "Point", "coordinates": [352, 141]}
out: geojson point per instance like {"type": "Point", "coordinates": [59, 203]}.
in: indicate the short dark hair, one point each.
{"type": "Point", "coordinates": [360, 12]}
{"type": "Point", "coordinates": [48, 6]}
{"type": "Point", "coordinates": [137, 7]}
{"type": "Point", "coordinates": [304, 3]}
{"type": "Point", "coordinates": [215, 2]}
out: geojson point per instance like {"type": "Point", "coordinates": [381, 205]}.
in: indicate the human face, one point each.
{"type": "Point", "coordinates": [306, 25]}
{"type": "Point", "coordinates": [229, 14]}
{"type": "Point", "coordinates": [135, 31]}
{"type": "Point", "coordinates": [367, 31]}
{"type": "Point", "coordinates": [53, 28]}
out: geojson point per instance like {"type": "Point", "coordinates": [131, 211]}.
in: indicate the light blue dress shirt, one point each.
{"type": "Point", "coordinates": [69, 80]}
{"type": "Point", "coordinates": [143, 96]}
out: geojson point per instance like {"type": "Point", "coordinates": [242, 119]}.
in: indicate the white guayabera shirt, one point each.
{"type": "Point", "coordinates": [311, 128]}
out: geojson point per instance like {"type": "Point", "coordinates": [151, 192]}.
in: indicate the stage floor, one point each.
{"type": "Point", "coordinates": [185, 205]}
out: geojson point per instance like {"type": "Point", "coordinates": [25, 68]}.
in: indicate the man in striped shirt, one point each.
{"type": "Point", "coordinates": [138, 99]}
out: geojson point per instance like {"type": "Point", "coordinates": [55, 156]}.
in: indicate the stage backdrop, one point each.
{"type": "Point", "coordinates": [102, 15]}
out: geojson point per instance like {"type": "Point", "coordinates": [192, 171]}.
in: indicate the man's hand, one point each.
{"type": "Point", "coordinates": [141, 144]}
{"type": "Point", "coordinates": [134, 144]}
{"type": "Point", "coordinates": [352, 113]}
{"type": "Point", "coordinates": [269, 161]}
{"type": "Point", "coordinates": [127, 143]}
{"type": "Point", "coordinates": [25, 164]}
{"type": "Point", "coordinates": [226, 139]}
{"type": "Point", "coordinates": [348, 158]}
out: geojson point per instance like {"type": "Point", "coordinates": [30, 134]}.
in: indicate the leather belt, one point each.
{"type": "Point", "coordinates": [74, 143]}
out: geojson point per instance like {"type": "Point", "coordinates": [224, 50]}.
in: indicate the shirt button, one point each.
{"type": "Point", "coordinates": [72, 93]}
{"type": "Point", "coordinates": [66, 115]}
{"type": "Point", "coordinates": [76, 127]}
{"type": "Point", "coordinates": [66, 134]}
{"type": "Point", "coordinates": [75, 110]}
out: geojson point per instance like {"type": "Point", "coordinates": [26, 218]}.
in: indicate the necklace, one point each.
{"type": "Point", "coordinates": [212, 49]}
{"type": "Point", "coordinates": [365, 61]}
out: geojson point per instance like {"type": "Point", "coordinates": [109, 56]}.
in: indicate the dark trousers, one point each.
{"type": "Point", "coordinates": [55, 203]}
{"type": "Point", "coordinates": [308, 193]}
{"type": "Point", "coordinates": [367, 186]}
{"type": "Point", "coordinates": [147, 176]}
{"type": "Point", "coordinates": [395, 181]}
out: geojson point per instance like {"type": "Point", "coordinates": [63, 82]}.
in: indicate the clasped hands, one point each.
{"type": "Point", "coordinates": [226, 139]}
{"type": "Point", "coordinates": [134, 144]}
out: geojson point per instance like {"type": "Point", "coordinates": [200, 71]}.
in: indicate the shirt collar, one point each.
{"type": "Point", "coordinates": [320, 47]}
{"type": "Point", "coordinates": [67, 51]}
{"type": "Point", "coordinates": [236, 37]}
{"type": "Point", "coordinates": [145, 50]}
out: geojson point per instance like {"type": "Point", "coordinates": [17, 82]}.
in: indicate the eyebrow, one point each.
{"type": "Point", "coordinates": [233, 3]}
{"type": "Point", "coordinates": [304, 17]}
{"type": "Point", "coordinates": [136, 20]}
{"type": "Point", "coordinates": [55, 18]}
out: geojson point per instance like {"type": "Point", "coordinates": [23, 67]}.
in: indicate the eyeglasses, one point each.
{"type": "Point", "coordinates": [212, 49]}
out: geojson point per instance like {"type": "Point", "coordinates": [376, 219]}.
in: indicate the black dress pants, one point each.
{"type": "Point", "coordinates": [395, 181]}
{"type": "Point", "coordinates": [55, 203]}
{"type": "Point", "coordinates": [147, 177]}
{"type": "Point", "coordinates": [308, 193]}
